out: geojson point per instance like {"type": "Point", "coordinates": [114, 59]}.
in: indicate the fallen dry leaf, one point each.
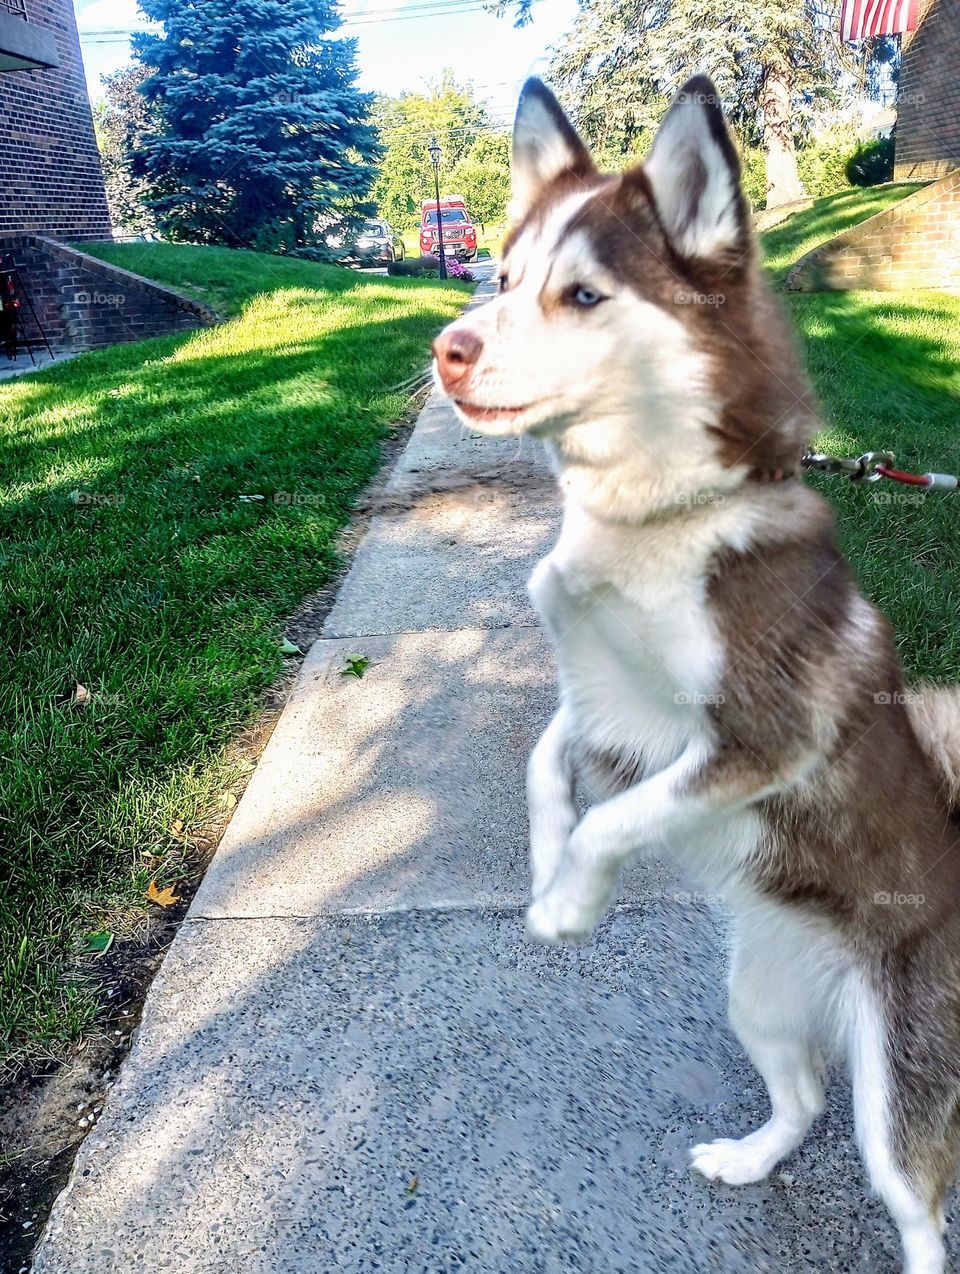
{"type": "Point", "coordinates": [162, 897]}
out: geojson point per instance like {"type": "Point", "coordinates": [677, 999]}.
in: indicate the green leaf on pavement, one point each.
{"type": "Point", "coordinates": [356, 665]}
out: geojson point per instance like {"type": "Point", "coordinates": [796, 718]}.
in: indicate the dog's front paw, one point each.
{"type": "Point", "coordinates": [553, 921]}
{"type": "Point", "coordinates": [735, 1162]}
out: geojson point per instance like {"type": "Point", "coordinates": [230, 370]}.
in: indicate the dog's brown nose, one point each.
{"type": "Point", "coordinates": [456, 351]}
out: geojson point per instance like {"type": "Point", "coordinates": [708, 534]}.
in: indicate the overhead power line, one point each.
{"type": "Point", "coordinates": [425, 10]}
{"type": "Point", "coordinates": [401, 134]}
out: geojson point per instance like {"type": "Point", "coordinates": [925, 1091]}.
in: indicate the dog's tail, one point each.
{"type": "Point", "coordinates": [935, 713]}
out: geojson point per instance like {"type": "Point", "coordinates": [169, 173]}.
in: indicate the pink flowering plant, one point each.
{"type": "Point", "coordinates": [457, 270]}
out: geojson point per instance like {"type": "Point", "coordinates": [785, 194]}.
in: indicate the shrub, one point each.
{"type": "Point", "coordinates": [872, 163]}
{"type": "Point", "coordinates": [754, 166]}
{"type": "Point", "coordinates": [415, 267]}
{"type": "Point", "coordinates": [455, 270]}
{"type": "Point", "coordinates": [823, 164]}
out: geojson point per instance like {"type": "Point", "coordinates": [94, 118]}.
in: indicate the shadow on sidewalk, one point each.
{"type": "Point", "coordinates": [422, 1089]}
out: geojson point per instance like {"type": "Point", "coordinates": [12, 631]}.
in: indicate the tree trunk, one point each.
{"type": "Point", "coordinates": [783, 181]}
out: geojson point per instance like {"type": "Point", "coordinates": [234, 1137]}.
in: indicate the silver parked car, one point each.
{"type": "Point", "coordinates": [378, 244]}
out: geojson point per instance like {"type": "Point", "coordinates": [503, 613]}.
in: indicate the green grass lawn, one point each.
{"type": "Point", "coordinates": [134, 564]}
{"type": "Point", "coordinates": [887, 368]}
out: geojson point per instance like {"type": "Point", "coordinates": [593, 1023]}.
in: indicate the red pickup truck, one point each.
{"type": "Point", "coordinates": [459, 232]}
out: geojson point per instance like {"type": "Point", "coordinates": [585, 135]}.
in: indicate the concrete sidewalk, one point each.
{"type": "Point", "coordinates": [351, 1059]}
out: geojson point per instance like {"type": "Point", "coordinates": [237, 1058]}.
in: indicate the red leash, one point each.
{"type": "Point", "coordinates": [932, 481]}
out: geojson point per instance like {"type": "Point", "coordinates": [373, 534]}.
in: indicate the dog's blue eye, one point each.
{"type": "Point", "coordinates": [585, 296]}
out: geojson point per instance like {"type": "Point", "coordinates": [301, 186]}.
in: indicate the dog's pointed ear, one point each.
{"type": "Point", "coordinates": [694, 175]}
{"type": "Point", "coordinates": [545, 145]}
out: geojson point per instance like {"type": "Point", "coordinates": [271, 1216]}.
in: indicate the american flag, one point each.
{"type": "Point", "coordinates": [864, 18]}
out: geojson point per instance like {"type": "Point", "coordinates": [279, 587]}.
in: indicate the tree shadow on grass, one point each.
{"type": "Point", "coordinates": [180, 388]}
{"type": "Point", "coordinates": [138, 563]}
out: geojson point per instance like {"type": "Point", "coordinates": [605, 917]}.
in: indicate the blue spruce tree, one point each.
{"type": "Point", "coordinates": [262, 137]}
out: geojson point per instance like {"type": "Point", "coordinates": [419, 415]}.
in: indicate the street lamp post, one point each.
{"type": "Point", "coordinates": [435, 153]}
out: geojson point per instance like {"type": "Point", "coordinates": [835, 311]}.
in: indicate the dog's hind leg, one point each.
{"type": "Point", "coordinates": [789, 1063]}
{"type": "Point", "coordinates": [906, 1164]}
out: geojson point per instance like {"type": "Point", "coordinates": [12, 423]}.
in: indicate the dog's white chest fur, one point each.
{"type": "Point", "coordinates": [639, 666]}
{"type": "Point", "coordinates": [638, 659]}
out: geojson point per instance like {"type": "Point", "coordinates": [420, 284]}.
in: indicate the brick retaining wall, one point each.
{"type": "Point", "coordinates": [85, 304]}
{"type": "Point", "coordinates": [914, 244]}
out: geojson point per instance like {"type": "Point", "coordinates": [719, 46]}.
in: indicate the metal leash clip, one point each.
{"type": "Point", "coordinates": [869, 463]}
{"type": "Point", "coordinates": [831, 464]}
{"type": "Point", "coordinates": [860, 469]}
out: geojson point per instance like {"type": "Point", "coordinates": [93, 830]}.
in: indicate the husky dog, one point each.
{"type": "Point", "coordinates": [726, 693]}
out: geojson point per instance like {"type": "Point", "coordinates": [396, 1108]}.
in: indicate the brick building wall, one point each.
{"type": "Point", "coordinates": [914, 244]}
{"type": "Point", "coordinates": [50, 177]}
{"type": "Point", "coordinates": [928, 112]}
{"type": "Point", "coordinates": [84, 303]}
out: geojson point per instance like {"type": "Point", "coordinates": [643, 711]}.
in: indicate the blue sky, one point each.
{"type": "Point", "coordinates": [393, 55]}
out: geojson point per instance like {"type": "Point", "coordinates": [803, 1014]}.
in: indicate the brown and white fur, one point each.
{"type": "Point", "coordinates": [726, 692]}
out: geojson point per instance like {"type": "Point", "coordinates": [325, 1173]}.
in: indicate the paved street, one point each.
{"type": "Point", "coordinates": [353, 1061]}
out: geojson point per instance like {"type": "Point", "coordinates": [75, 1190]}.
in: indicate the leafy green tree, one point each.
{"type": "Point", "coordinates": [448, 111]}
{"type": "Point", "coordinates": [123, 119]}
{"type": "Point", "coordinates": [263, 138]}
{"type": "Point", "coordinates": [483, 178]}
{"type": "Point", "coordinates": [771, 60]}
{"type": "Point", "coordinates": [600, 71]}
{"type": "Point", "coordinates": [402, 179]}
{"type": "Point", "coordinates": [775, 63]}
{"type": "Point", "coordinates": [823, 160]}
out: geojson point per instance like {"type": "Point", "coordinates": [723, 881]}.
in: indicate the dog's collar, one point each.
{"type": "Point", "coordinates": [789, 471]}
